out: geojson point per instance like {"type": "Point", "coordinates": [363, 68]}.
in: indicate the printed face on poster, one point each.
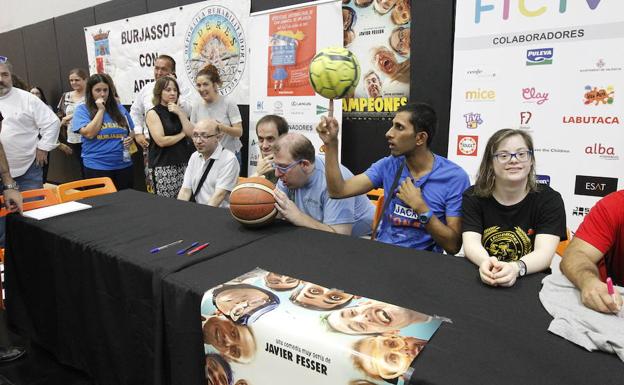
{"type": "Point", "coordinates": [302, 330]}
{"type": "Point", "coordinates": [378, 33]}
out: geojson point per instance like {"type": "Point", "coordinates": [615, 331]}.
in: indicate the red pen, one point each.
{"type": "Point", "coordinates": [198, 249]}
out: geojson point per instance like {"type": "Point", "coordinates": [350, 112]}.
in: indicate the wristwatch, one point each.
{"type": "Point", "coordinates": [11, 186]}
{"type": "Point", "coordinates": [425, 217]}
{"type": "Point", "coordinates": [521, 268]}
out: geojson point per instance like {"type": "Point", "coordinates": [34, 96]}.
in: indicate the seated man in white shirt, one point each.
{"type": "Point", "coordinates": [214, 188]}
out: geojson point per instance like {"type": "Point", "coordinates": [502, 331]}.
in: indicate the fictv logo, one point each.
{"type": "Point", "coordinates": [480, 8]}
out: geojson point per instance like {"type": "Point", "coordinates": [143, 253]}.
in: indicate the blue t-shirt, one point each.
{"type": "Point", "coordinates": [441, 189]}
{"type": "Point", "coordinates": [105, 151]}
{"type": "Point", "coordinates": [313, 199]}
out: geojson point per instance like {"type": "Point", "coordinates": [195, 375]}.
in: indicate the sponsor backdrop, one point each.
{"type": "Point", "coordinates": [550, 68]}
{"type": "Point", "coordinates": [283, 42]}
{"type": "Point", "coordinates": [194, 35]}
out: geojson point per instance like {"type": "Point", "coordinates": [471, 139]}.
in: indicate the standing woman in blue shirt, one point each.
{"type": "Point", "coordinates": [106, 128]}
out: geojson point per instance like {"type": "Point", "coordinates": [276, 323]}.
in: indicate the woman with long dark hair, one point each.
{"type": "Point", "coordinates": [511, 224]}
{"type": "Point", "coordinates": [106, 129]}
{"type": "Point", "coordinates": [169, 150]}
{"type": "Point", "coordinates": [218, 107]}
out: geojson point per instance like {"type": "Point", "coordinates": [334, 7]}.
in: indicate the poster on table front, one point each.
{"type": "Point", "coordinates": [378, 33]}
{"type": "Point", "coordinates": [283, 42]}
{"type": "Point", "coordinates": [209, 32]}
{"type": "Point", "coordinates": [265, 328]}
{"type": "Point", "coordinates": [550, 69]}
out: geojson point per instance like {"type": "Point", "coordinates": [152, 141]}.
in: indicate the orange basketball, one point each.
{"type": "Point", "coordinates": [252, 202]}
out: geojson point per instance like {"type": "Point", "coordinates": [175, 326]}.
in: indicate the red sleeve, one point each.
{"type": "Point", "coordinates": [599, 228]}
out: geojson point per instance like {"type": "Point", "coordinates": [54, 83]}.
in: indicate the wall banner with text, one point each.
{"type": "Point", "coordinates": [549, 68]}
{"type": "Point", "coordinates": [194, 35]}
{"type": "Point", "coordinates": [283, 42]}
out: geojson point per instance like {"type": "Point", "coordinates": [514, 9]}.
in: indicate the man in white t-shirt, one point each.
{"type": "Point", "coordinates": [222, 175]}
{"type": "Point", "coordinates": [29, 131]}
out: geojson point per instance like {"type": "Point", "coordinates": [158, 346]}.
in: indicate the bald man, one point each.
{"type": "Point", "coordinates": [301, 194]}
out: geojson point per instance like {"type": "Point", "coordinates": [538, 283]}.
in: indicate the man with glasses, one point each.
{"type": "Point", "coordinates": [30, 130]}
{"type": "Point", "coordinates": [212, 171]}
{"type": "Point", "coordinates": [301, 194]}
{"type": "Point", "coordinates": [423, 191]}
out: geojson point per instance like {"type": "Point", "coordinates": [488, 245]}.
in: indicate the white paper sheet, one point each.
{"type": "Point", "coordinates": [55, 210]}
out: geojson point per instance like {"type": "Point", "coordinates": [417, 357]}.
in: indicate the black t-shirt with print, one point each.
{"type": "Point", "coordinates": [508, 232]}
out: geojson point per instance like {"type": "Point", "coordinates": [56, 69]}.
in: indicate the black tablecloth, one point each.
{"type": "Point", "coordinates": [498, 336]}
{"type": "Point", "coordinates": [85, 286]}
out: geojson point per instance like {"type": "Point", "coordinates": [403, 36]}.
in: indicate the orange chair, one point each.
{"type": "Point", "coordinates": [92, 187]}
{"type": "Point", "coordinates": [563, 245]}
{"type": "Point", "coordinates": [376, 197]}
{"type": "Point", "coordinates": [46, 198]}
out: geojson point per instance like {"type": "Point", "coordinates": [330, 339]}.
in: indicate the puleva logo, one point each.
{"type": "Point", "coordinates": [467, 145]}
{"type": "Point", "coordinates": [480, 95]}
{"type": "Point", "coordinates": [531, 95]}
{"type": "Point", "coordinates": [473, 120]}
{"type": "Point", "coordinates": [599, 95]}
{"type": "Point", "coordinates": [539, 56]}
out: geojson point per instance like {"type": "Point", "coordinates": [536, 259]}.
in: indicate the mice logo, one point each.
{"type": "Point", "coordinates": [216, 37]}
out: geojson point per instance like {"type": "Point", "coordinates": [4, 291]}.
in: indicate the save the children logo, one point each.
{"type": "Point", "coordinates": [598, 95]}
{"type": "Point", "coordinates": [216, 36]}
{"type": "Point", "coordinates": [467, 145]}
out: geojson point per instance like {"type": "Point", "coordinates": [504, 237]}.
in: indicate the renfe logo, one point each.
{"type": "Point", "coordinates": [467, 145]}
{"type": "Point", "coordinates": [594, 186]}
{"type": "Point", "coordinates": [522, 8]}
{"type": "Point", "coordinates": [539, 56]}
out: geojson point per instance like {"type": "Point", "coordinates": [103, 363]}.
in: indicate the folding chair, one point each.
{"type": "Point", "coordinates": [46, 198]}
{"type": "Point", "coordinates": [91, 187]}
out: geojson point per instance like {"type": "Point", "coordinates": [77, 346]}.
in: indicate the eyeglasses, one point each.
{"type": "Point", "coordinates": [521, 156]}
{"type": "Point", "coordinates": [3, 59]}
{"type": "Point", "coordinates": [285, 169]}
{"type": "Point", "coordinates": [203, 136]}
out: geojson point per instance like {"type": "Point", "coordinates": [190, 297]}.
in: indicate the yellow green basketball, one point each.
{"type": "Point", "coordinates": [334, 72]}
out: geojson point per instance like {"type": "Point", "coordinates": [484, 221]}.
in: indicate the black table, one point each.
{"type": "Point", "coordinates": [498, 336]}
{"type": "Point", "coordinates": [85, 287]}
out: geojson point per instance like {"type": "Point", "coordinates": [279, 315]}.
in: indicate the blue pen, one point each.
{"type": "Point", "coordinates": [157, 249]}
{"type": "Point", "coordinates": [184, 250]}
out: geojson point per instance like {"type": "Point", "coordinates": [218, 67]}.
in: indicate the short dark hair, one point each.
{"type": "Point", "coordinates": [423, 117]}
{"type": "Point", "coordinates": [280, 123]}
{"type": "Point", "coordinates": [171, 60]}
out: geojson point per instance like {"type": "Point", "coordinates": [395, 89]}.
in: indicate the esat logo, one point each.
{"type": "Point", "coordinates": [532, 95]}
{"type": "Point", "coordinates": [599, 95]}
{"type": "Point", "coordinates": [467, 145]}
{"type": "Point", "coordinates": [539, 56]}
{"type": "Point", "coordinates": [473, 120]}
{"type": "Point", "coordinates": [595, 186]}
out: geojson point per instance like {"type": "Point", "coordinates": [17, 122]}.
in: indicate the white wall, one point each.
{"type": "Point", "coordinates": [18, 13]}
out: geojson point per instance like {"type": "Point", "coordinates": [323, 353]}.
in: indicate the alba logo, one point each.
{"type": "Point", "coordinates": [603, 152]}
{"type": "Point", "coordinates": [480, 95]}
{"type": "Point", "coordinates": [467, 145]}
{"type": "Point", "coordinates": [598, 95]}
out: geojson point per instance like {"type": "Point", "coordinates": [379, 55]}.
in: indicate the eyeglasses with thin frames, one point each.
{"type": "Point", "coordinates": [203, 136]}
{"type": "Point", "coordinates": [285, 169]}
{"type": "Point", "coordinates": [521, 156]}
